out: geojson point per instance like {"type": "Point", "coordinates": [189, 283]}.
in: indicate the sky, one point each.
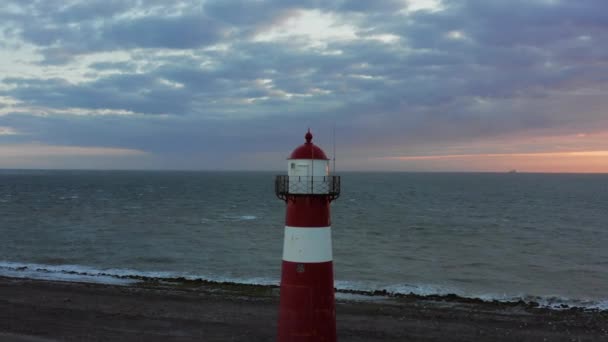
{"type": "Point", "coordinates": [418, 85]}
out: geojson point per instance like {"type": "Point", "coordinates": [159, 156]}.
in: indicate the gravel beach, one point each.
{"type": "Point", "coordinates": [41, 310]}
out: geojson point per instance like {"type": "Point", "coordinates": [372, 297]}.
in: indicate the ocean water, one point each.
{"type": "Point", "coordinates": [535, 237]}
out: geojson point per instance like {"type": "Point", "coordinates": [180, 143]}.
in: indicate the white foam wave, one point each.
{"type": "Point", "coordinates": [120, 276]}
{"type": "Point", "coordinates": [59, 273]}
{"type": "Point", "coordinates": [132, 207]}
{"type": "Point", "coordinates": [241, 217]}
{"type": "Point", "coordinates": [110, 275]}
{"type": "Point", "coordinates": [421, 290]}
{"type": "Point", "coordinates": [553, 302]}
{"type": "Point", "coordinates": [229, 218]}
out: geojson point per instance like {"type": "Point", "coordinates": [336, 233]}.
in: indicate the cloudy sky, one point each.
{"type": "Point", "coordinates": [425, 85]}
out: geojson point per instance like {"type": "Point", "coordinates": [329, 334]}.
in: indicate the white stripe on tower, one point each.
{"type": "Point", "coordinates": [304, 244]}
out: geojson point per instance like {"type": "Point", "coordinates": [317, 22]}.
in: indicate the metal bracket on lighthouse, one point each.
{"type": "Point", "coordinates": [286, 187]}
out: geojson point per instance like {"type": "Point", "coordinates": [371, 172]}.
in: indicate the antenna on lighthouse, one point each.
{"type": "Point", "coordinates": [312, 160]}
{"type": "Point", "coordinates": [334, 147]}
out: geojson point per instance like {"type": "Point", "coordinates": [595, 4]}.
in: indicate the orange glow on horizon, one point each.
{"type": "Point", "coordinates": [569, 162]}
{"type": "Point", "coordinates": [502, 155]}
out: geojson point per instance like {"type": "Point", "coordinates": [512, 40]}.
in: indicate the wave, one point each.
{"type": "Point", "coordinates": [454, 294]}
{"type": "Point", "coordinates": [229, 218]}
{"type": "Point", "coordinates": [345, 289]}
{"type": "Point", "coordinates": [64, 198]}
{"type": "Point", "coordinates": [60, 272]}
{"type": "Point", "coordinates": [114, 275]}
{"type": "Point", "coordinates": [240, 217]}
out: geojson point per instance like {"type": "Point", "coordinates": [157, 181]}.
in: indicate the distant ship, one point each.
{"type": "Point", "coordinates": [512, 171]}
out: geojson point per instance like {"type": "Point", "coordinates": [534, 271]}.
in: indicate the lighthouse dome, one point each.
{"type": "Point", "coordinates": [308, 150]}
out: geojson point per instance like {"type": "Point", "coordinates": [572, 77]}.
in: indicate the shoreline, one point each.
{"type": "Point", "coordinates": [47, 272]}
{"type": "Point", "coordinates": [203, 310]}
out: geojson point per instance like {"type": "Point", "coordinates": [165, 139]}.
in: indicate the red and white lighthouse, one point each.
{"type": "Point", "coordinates": [307, 305]}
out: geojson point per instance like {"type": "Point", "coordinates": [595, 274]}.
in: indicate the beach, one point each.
{"type": "Point", "coordinates": [43, 310]}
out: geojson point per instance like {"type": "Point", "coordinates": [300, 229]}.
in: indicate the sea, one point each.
{"type": "Point", "coordinates": [539, 238]}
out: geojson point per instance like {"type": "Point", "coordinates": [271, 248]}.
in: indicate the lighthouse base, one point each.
{"type": "Point", "coordinates": [307, 308]}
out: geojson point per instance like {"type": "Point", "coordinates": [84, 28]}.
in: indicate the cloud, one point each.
{"type": "Point", "coordinates": [139, 93]}
{"type": "Point", "coordinates": [238, 75]}
{"type": "Point", "coordinates": [181, 32]}
{"type": "Point", "coordinates": [7, 131]}
{"type": "Point", "coordinates": [35, 150]}
{"type": "Point", "coordinates": [40, 156]}
{"type": "Point", "coordinates": [63, 32]}
{"type": "Point", "coordinates": [505, 155]}
{"type": "Point", "coordinates": [118, 66]}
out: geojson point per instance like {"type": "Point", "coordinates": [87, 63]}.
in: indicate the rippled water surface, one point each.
{"type": "Point", "coordinates": [533, 236]}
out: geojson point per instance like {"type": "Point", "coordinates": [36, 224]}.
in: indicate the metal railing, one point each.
{"type": "Point", "coordinates": [286, 186]}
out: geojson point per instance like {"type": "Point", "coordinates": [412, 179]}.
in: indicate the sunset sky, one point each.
{"type": "Point", "coordinates": [426, 85]}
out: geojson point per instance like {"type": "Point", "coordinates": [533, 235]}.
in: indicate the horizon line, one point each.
{"type": "Point", "coordinates": [275, 170]}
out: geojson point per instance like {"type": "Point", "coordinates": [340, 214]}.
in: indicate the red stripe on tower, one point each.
{"type": "Point", "coordinates": [307, 305]}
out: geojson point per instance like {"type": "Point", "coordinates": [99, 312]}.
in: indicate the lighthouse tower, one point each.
{"type": "Point", "coordinates": [307, 304]}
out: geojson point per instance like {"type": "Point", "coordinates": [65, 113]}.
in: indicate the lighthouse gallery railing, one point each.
{"type": "Point", "coordinates": [286, 186]}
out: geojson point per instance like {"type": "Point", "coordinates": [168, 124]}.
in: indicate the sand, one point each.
{"type": "Point", "coordinates": [40, 310]}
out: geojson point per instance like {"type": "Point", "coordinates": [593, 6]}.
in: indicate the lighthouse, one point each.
{"type": "Point", "coordinates": [307, 305]}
